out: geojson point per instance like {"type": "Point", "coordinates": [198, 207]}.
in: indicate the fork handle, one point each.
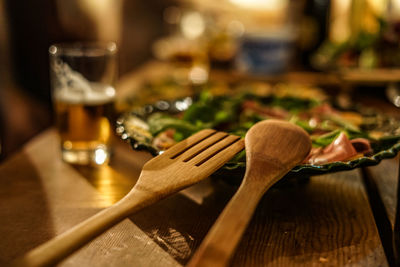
{"type": "Point", "coordinates": [224, 236]}
{"type": "Point", "coordinates": [63, 245]}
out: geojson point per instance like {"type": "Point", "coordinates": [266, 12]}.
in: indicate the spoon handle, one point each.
{"type": "Point", "coordinates": [224, 236]}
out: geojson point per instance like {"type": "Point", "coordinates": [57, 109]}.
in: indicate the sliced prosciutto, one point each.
{"type": "Point", "coordinates": [339, 150]}
{"type": "Point", "coordinates": [272, 112]}
{"type": "Point", "coordinates": [362, 145]}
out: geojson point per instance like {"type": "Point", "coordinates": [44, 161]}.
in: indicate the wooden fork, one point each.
{"type": "Point", "coordinates": [184, 164]}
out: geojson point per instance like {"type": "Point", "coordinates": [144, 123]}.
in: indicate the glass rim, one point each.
{"type": "Point", "coordinates": [83, 49]}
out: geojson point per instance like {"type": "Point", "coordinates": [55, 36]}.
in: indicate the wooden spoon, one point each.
{"type": "Point", "coordinates": [273, 148]}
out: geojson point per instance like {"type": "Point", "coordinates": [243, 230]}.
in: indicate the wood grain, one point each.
{"type": "Point", "coordinates": [382, 184]}
{"type": "Point", "coordinates": [386, 178]}
{"type": "Point", "coordinates": [184, 164]}
{"type": "Point", "coordinates": [326, 222]}
{"type": "Point", "coordinates": [319, 224]}
{"type": "Point", "coordinates": [42, 197]}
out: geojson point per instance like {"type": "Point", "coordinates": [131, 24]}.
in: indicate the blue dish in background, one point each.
{"type": "Point", "coordinates": [265, 53]}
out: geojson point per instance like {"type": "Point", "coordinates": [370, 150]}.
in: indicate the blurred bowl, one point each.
{"type": "Point", "coordinates": [265, 52]}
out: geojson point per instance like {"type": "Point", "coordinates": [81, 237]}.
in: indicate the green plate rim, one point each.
{"type": "Point", "coordinates": [300, 170]}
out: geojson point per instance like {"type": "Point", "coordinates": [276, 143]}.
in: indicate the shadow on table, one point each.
{"type": "Point", "coordinates": [27, 193]}
{"type": "Point", "coordinates": [179, 223]}
{"type": "Point", "coordinates": [325, 221]}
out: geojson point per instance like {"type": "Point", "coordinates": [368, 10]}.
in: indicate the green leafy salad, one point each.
{"type": "Point", "coordinates": [337, 135]}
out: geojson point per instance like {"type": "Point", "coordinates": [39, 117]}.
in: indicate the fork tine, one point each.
{"type": "Point", "coordinates": [212, 163]}
{"type": "Point", "coordinates": [214, 149]}
{"type": "Point", "coordinates": [188, 143]}
{"type": "Point", "coordinates": [201, 146]}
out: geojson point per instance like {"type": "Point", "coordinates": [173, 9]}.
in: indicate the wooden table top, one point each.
{"type": "Point", "coordinates": [327, 221]}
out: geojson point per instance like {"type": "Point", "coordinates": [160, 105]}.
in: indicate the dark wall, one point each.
{"type": "Point", "coordinates": [29, 27]}
{"type": "Point", "coordinates": [35, 25]}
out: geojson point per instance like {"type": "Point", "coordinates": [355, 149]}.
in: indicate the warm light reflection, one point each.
{"type": "Point", "coordinates": [106, 181]}
{"type": "Point", "coordinates": [269, 5]}
{"type": "Point", "coordinates": [348, 18]}
{"type": "Point", "coordinates": [104, 184]}
{"type": "Point", "coordinates": [192, 25]}
{"type": "Point", "coordinates": [396, 101]}
{"type": "Point", "coordinates": [379, 7]}
{"type": "Point", "coordinates": [395, 8]}
{"type": "Point", "coordinates": [198, 75]}
{"type": "Point", "coordinates": [339, 30]}
{"type": "Point", "coordinates": [100, 156]}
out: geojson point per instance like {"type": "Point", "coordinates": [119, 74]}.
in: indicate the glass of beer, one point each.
{"type": "Point", "coordinates": [83, 77]}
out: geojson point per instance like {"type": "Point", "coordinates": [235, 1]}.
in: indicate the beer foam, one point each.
{"type": "Point", "coordinates": [97, 94]}
{"type": "Point", "coordinates": [72, 87]}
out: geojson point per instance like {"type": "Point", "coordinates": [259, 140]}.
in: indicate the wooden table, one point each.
{"type": "Point", "coordinates": [328, 221]}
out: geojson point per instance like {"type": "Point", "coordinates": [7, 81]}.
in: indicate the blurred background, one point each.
{"type": "Point", "coordinates": [260, 38]}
